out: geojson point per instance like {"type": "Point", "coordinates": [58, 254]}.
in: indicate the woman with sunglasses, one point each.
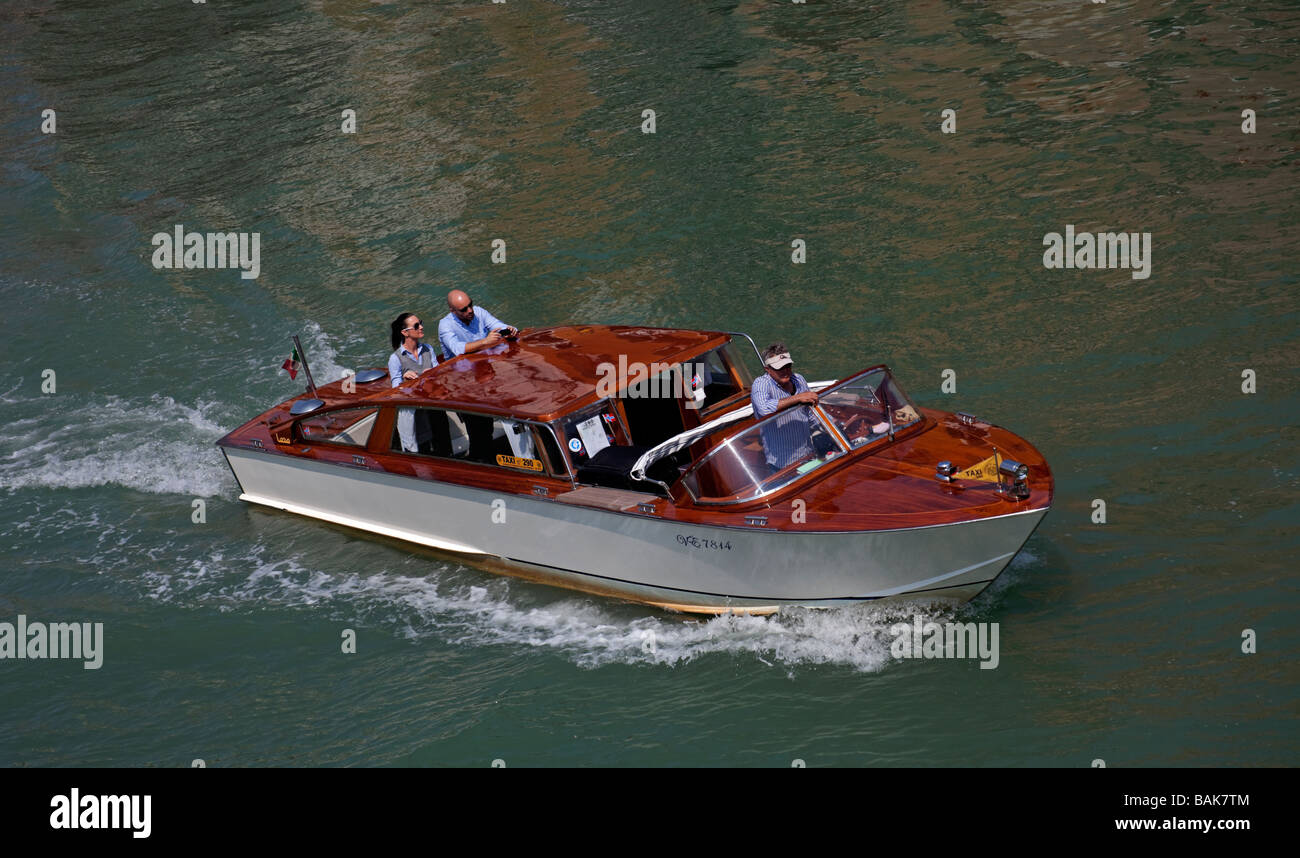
{"type": "Point", "coordinates": [410, 358]}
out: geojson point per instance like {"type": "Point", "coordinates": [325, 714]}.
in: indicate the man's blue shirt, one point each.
{"type": "Point", "coordinates": [787, 438]}
{"type": "Point", "coordinates": [455, 334]}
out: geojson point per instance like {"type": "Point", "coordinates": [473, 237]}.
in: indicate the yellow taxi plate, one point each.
{"type": "Point", "coordinates": [515, 462]}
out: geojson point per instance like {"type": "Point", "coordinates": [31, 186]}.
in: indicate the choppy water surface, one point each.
{"type": "Point", "coordinates": [774, 121]}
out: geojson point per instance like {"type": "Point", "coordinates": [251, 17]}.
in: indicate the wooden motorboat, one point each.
{"type": "Point", "coordinates": [627, 462]}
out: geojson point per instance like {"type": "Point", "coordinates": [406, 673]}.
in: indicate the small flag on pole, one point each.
{"type": "Point", "coordinates": [985, 471]}
{"type": "Point", "coordinates": [293, 363]}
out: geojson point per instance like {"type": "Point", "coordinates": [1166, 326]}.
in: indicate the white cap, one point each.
{"type": "Point", "coordinates": [780, 360]}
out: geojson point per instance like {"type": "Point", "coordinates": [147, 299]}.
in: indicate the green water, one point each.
{"type": "Point", "coordinates": [774, 122]}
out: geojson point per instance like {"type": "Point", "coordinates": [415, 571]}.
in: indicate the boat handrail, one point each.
{"type": "Point", "coordinates": [690, 436]}
{"type": "Point", "coordinates": [752, 344]}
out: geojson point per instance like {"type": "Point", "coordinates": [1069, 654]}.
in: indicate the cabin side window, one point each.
{"type": "Point", "coordinates": [350, 426]}
{"type": "Point", "coordinates": [549, 451]}
{"type": "Point", "coordinates": [673, 398]}
{"type": "Point", "coordinates": [721, 374]}
{"type": "Point", "coordinates": [653, 405]}
{"type": "Point", "coordinates": [480, 438]}
{"type": "Point", "coordinates": [589, 431]}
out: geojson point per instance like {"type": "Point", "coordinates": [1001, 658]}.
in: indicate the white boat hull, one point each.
{"type": "Point", "coordinates": [642, 557]}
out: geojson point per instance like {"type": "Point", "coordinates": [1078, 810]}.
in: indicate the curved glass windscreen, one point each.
{"type": "Point", "coordinates": [772, 453]}
{"type": "Point", "coordinates": [863, 407]}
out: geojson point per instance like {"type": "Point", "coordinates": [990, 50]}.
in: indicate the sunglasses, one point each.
{"type": "Point", "coordinates": [469, 306]}
{"type": "Point", "coordinates": [413, 327]}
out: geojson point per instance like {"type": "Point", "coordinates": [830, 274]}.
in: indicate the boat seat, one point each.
{"type": "Point", "coordinates": [612, 468]}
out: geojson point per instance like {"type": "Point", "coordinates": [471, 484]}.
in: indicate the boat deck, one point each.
{"type": "Point", "coordinates": [618, 500]}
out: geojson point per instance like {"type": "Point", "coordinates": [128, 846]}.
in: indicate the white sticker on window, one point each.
{"type": "Point", "coordinates": [593, 435]}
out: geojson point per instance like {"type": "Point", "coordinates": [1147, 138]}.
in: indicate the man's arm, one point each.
{"type": "Point", "coordinates": [495, 328]}
{"type": "Point", "coordinates": [805, 398]}
{"type": "Point", "coordinates": [803, 394]}
{"type": "Point", "coordinates": [451, 344]}
{"type": "Point", "coordinates": [492, 323]}
{"type": "Point", "coordinates": [767, 398]}
{"type": "Point", "coordinates": [760, 396]}
{"type": "Point", "coordinates": [478, 345]}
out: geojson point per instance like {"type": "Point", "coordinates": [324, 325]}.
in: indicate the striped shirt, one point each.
{"type": "Point", "coordinates": [787, 438]}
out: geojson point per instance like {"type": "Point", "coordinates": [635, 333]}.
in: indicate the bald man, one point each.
{"type": "Point", "coordinates": [468, 329]}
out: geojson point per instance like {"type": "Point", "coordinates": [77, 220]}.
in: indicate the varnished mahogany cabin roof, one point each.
{"type": "Point", "coordinates": [546, 372]}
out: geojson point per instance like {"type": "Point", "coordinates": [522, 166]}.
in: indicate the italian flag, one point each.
{"type": "Point", "coordinates": [293, 363]}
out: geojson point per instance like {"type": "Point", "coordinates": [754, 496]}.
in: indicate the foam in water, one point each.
{"type": "Point", "coordinates": [157, 445]}
{"type": "Point", "coordinates": [590, 632]}
{"type": "Point", "coordinates": [8, 395]}
{"type": "Point", "coordinates": [321, 356]}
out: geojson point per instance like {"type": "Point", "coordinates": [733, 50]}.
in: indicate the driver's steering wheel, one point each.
{"type": "Point", "coordinates": [850, 428]}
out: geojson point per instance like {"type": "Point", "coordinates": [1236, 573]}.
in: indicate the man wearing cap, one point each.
{"type": "Point", "coordinates": [468, 329]}
{"type": "Point", "coordinates": [786, 439]}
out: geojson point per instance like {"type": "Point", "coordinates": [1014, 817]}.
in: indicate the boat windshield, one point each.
{"type": "Point", "coordinates": [861, 407]}
{"type": "Point", "coordinates": [767, 456]}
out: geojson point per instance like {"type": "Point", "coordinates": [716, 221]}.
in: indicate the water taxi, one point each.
{"type": "Point", "coordinates": [627, 462]}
